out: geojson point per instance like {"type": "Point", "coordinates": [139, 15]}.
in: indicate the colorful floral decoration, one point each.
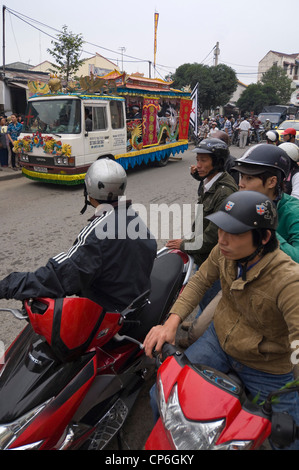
{"type": "Point", "coordinates": [49, 145]}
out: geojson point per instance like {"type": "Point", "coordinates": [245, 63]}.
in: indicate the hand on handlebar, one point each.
{"type": "Point", "coordinates": [161, 334]}
{"type": "Point", "coordinates": [174, 244]}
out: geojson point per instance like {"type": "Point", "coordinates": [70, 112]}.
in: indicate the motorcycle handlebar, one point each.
{"type": "Point", "coordinates": [168, 350]}
{"type": "Point", "coordinates": [283, 429]}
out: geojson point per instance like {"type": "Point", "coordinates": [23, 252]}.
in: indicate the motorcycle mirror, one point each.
{"type": "Point", "coordinates": [137, 304]}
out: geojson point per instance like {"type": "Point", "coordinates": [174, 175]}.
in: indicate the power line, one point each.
{"type": "Point", "coordinates": [239, 65]}
{"type": "Point", "coordinates": [28, 20]}
{"type": "Point", "coordinates": [21, 17]}
{"type": "Point", "coordinates": [208, 55]}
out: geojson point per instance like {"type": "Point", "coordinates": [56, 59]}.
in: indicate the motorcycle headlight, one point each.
{"type": "Point", "coordinates": [9, 432]}
{"type": "Point", "coordinates": [191, 435]}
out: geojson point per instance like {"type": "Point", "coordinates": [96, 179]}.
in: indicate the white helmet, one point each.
{"type": "Point", "coordinates": [273, 136]}
{"type": "Point", "coordinates": [292, 150]}
{"type": "Point", "coordinates": [105, 180]}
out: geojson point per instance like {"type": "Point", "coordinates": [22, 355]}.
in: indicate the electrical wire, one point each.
{"type": "Point", "coordinates": [17, 15]}
{"type": "Point", "coordinates": [207, 55]}
{"type": "Point", "coordinates": [13, 32]}
{"type": "Point", "coordinates": [22, 17]}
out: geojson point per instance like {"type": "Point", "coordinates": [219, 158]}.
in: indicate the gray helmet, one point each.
{"type": "Point", "coordinates": [217, 149]}
{"type": "Point", "coordinates": [105, 180]}
{"type": "Point", "coordinates": [245, 210]}
{"type": "Point", "coordinates": [263, 157]}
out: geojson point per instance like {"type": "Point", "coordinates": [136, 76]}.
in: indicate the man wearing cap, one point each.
{"type": "Point", "coordinates": [289, 135]}
{"type": "Point", "coordinates": [262, 168]}
{"type": "Point", "coordinates": [256, 322]}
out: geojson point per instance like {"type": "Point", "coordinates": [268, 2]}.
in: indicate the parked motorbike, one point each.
{"type": "Point", "coordinates": [72, 375]}
{"type": "Point", "coordinates": [256, 135]}
{"type": "Point", "coordinates": [204, 409]}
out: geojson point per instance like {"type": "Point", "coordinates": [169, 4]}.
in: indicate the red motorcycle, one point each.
{"type": "Point", "coordinates": [203, 409]}
{"type": "Point", "coordinates": [72, 375]}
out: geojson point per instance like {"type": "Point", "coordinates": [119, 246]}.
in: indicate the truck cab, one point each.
{"type": "Point", "coordinates": [64, 134]}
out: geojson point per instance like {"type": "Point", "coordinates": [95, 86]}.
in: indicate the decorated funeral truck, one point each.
{"type": "Point", "coordinates": [132, 119]}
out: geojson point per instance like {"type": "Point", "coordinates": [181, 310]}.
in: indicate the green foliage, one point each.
{"type": "Point", "coordinates": [256, 96]}
{"type": "Point", "coordinates": [274, 88]}
{"type": "Point", "coordinates": [66, 52]}
{"type": "Point", "coordinates": [215, 84]}
{"type": "Point", "coordinates": [278, 79]}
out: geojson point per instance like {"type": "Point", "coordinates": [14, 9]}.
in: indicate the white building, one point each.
{"type": "Point", "coordinates": [97, 65]}
{"type": "Point", "coordinates": [289, 62]}
{"type": "Point", "coordinates": [14, 79]}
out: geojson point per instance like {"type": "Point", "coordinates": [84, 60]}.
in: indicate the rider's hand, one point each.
{"type": "Point", "coordinates": [193, 169]}
{"type": "Point", "coordinates": [161, 334]}
{"type": "Point", "coordinates": [174, 244]}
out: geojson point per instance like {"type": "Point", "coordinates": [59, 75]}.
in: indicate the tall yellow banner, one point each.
{"type": "Point", "coordinates": [155, 44]}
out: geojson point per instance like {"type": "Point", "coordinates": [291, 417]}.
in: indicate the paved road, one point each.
{"type": "Point", "coordinates": [40, 220]}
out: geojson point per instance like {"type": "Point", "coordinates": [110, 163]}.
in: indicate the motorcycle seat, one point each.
{"type": "Point", "coordinates": [166, 279]}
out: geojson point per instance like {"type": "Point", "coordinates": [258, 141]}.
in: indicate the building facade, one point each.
{"type": "Point", "coordinates": [97, 65]}
{"type": "Point", "coordinates": [288, 62]}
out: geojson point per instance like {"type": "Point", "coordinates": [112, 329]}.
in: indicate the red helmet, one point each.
{"type": "Point", "coordinates": [289, 130]}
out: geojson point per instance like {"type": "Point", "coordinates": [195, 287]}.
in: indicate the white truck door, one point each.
{"type": "Point", "coordinates": [118, 127]}
{"type": "Point", "coordinates": [97, 132]}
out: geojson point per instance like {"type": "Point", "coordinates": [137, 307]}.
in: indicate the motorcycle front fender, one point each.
{"type": "Point", "coordinates": [157, 439]}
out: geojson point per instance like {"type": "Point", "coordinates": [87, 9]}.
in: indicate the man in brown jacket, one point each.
{"type": "Point", "coordinates": [256, 323]}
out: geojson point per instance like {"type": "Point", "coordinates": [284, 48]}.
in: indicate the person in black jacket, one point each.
{"type": "Point", "coordinates": [109, 263]}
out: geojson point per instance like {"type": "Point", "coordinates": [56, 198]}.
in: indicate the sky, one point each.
{"type": "Point", "coordinates": [123, 32]}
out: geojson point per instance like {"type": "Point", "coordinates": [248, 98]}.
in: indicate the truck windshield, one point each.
{"type": "Point", "coordinates": [54, 116]}
{"type": "Point", "coordinates": [273, 117]}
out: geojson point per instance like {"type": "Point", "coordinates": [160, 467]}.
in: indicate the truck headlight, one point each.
{"type": "Point", "coordinates": [66, 161]}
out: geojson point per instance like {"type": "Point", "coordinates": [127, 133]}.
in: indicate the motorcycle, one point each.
{"type": "Point", "coordinates": [219, 416]}
{"type": "Point", "coordinates": [256, 135]}
{"type": "Point", "coordinates": [70, 378]}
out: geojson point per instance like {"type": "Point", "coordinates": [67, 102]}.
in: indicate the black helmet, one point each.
{"type": "Point", "coordinates": [218, 150]}
{"type": "Point", "coordinates": [213, 146]}
{"type": "Point", "coordinates": [245, 210]}
{"type": "Point", "coordinates": [265, 157]}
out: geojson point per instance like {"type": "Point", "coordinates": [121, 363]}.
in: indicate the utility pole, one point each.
{"type": "Point", "coordinates": [3, 37]}
{"type": "Point", "coordinates": [122, 49]}
{"type": "Point", "coordinates": [216, 54]}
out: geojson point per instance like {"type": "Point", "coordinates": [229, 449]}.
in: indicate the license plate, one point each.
{"type": "Point", "coordinates": [40, 169]}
